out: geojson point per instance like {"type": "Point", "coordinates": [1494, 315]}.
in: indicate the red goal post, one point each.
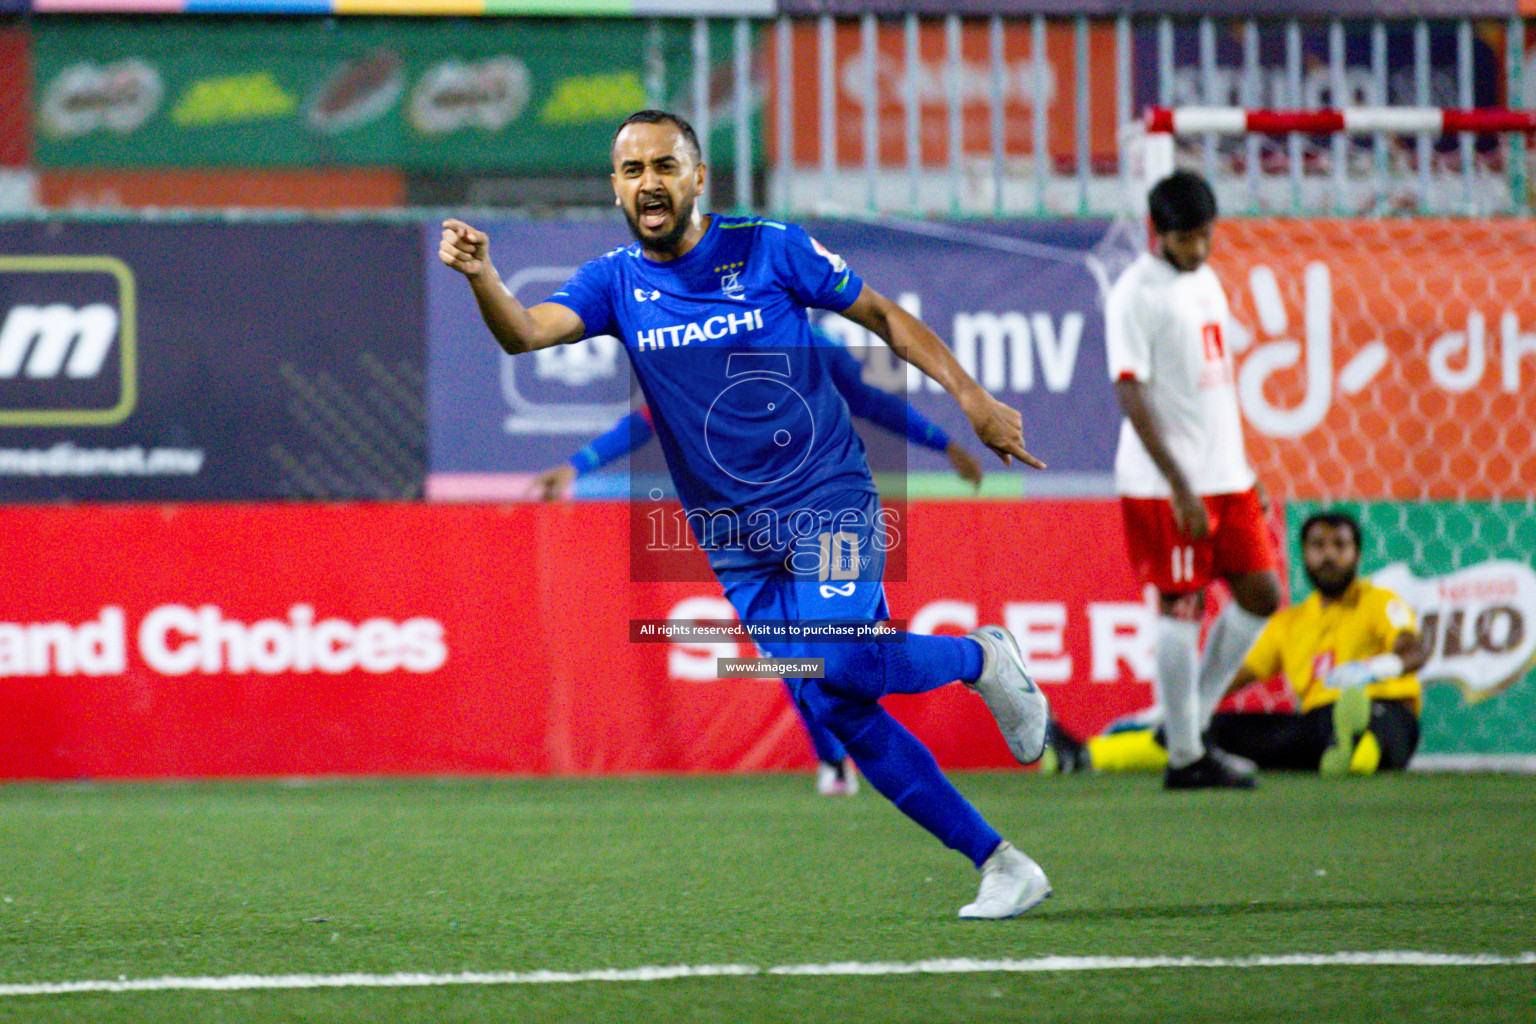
{"type": "Point", "coordinates": [1148, 145]}
{"type": "Point", "coordinates": [1392, 120]}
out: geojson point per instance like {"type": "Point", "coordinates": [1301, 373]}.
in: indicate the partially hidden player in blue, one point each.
{"type": "Point", "coordinates": [835, 773]}
{"type": "Point", "coordinates": [771, 476]}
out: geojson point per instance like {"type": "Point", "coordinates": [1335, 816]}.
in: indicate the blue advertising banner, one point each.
{"type": "Point", "coordinates": [154, 362]}
{"type": "Point", "coordinates": [1019, 302]}
{"type": "Point", "coordinates": [494, 419]}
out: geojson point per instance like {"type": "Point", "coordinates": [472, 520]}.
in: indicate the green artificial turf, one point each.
{"type": "Point", "coordinates": [444, 876]}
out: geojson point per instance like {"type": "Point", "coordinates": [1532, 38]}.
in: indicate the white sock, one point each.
{"type": "Point", "coordinates": [1226, 645]}
{"type": "Point", "coordinates": [1178, 646]}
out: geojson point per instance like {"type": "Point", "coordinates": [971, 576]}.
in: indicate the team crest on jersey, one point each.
{"type": "Point", "coordinates": [730, 280]}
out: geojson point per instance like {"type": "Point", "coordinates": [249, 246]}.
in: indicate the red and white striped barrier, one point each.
{"type": "Point", "coordinates": [1400, 120]}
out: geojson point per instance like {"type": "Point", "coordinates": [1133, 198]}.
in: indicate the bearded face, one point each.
{"type": "Point", "coordinates": [1331, 557]}
{"type": "Point", "coordinates": [656, 181]}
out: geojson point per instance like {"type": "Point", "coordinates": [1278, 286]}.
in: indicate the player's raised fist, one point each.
{"type": "Point", "coordinates": [463, 248]}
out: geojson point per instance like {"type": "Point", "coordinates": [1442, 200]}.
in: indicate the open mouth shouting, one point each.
{"type": "Point", "coordinates": [651, 211]}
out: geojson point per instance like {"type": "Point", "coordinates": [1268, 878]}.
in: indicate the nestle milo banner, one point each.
{"type": "Point", "coordinates": [1467, 570]}
{"type": "Point", "coordinates": [442, 95]}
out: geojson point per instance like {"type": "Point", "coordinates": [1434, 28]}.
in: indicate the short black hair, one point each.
{"type": "Point", "coordinates": [1183, 201]}
{"type": "Point", "coordinates": [662, 117]}
{"type": "Point", "coordinates": [1332, 517]}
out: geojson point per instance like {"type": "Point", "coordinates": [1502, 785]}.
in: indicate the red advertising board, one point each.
{"type": "Point", "coordinates": [329, 188]}
{"type": "Point", "coordinates": [215, 640]}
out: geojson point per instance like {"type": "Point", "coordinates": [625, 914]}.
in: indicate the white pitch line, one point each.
{"type": "Point", "coordinates": [1038, 965]}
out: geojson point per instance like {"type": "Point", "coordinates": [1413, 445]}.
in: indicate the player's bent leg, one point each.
{"type": "Point", "coordinates": [1274, 741]}
{"type": "Point", "coordinates": [1369, 736]}
{"type": "Point", "coordinates": [903, 770]}
{"type": "Point", "coordinates": [1396, 730]}
{"type": "Point", "coordinates": [1351, 716]}
{"type": "Point", "coordinates": [1177, 648]}
{"type": "Point", "coordinates": [898, 663]}
{"type": "Point", "coordinates": [1226, 645]}
{"type": "Point", "coordinates": [827, 746]}
{"type": "Point", "coordinates": [834, 775]}
{"type": "Point", "coordinates": [1190, 764]}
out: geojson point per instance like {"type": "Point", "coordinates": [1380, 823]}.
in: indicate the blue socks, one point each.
{"type": "Point", "coordinates": [893, 760]}
{"type": "Point", "coordinates": [829, 750]}
{"type": "Point", "coordinates": [909, 664]}
{"type": "Point", "coordinates": [898, 765]}
{"type": "Point", "coordinates": [917, 664]}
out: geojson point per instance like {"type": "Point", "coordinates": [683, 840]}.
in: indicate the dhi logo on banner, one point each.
{"type": "Point", "coordinates": [68, 341]}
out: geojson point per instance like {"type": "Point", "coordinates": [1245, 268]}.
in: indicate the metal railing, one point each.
{"type": "Point", "coordinates": [1005, 116]}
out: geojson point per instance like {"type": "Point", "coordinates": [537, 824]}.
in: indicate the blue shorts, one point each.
{"type": "Point", "coordinates": [832, 576]}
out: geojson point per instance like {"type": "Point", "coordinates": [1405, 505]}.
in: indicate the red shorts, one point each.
{"type": "Point", "coordinates": [1239, 542]}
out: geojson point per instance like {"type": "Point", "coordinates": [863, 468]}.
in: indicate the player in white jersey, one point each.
{"type": "Point", "coordinates": [1192, 509]}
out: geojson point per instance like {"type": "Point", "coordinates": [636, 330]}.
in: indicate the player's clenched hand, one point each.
{"type": "Point", "coordinates": [966, 466]}
{"type": "Point", "coordinates": [464, 249]}
{"type": "Point", "coordinates": [1000, 427]}
{"type": "Point", "coordinates": [552, 484]}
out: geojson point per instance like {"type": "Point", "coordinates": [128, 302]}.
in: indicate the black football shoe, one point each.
{"type": "Point", "coordinates": [1210, 772]}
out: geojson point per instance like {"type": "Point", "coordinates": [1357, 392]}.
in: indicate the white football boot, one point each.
{"type": "Point", "coordinates": [1011, 883]}
{"type": "Point", "coordinates": [1021, 710]}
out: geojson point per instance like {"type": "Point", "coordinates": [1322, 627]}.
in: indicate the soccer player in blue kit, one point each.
{"type": "Point", "coordinates": [835, 775]}
{"type": "Point", "coordinates": [772, 476]}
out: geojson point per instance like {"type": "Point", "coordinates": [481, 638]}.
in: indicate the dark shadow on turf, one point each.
{"type": "Point", "coordinates": [1259, 907]}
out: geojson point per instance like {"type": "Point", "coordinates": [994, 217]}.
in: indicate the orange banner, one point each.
{"type": "Point", "coordinates": [928, 80]}
{"type": "Point", "coordinates": [1388, 359]}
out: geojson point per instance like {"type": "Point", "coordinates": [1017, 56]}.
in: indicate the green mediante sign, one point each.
{"type": "Point", "coordinates": [1467, 570]}
{"type": "Point", "coordinates": [435, 94]}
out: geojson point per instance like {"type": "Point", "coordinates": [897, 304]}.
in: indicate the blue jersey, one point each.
{"type": "Point", "coordinates": [865, 401]}
{"type": "Point", "coordinates": [750, 420]}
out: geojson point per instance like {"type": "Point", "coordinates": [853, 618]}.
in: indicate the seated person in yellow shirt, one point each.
{"type": "Point", "coordinates": [1349, 652]}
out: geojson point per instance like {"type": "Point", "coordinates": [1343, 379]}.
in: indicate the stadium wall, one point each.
{"type": "Point", "coordinates": [295, 387]}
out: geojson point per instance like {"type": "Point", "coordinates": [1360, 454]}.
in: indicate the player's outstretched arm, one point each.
{"type": "Point", "coordinates": [999, 426]}
{"type": "Point", "coordinates": [1409, 654]}
{"type": "Point", "coordinates": [515, 327]}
